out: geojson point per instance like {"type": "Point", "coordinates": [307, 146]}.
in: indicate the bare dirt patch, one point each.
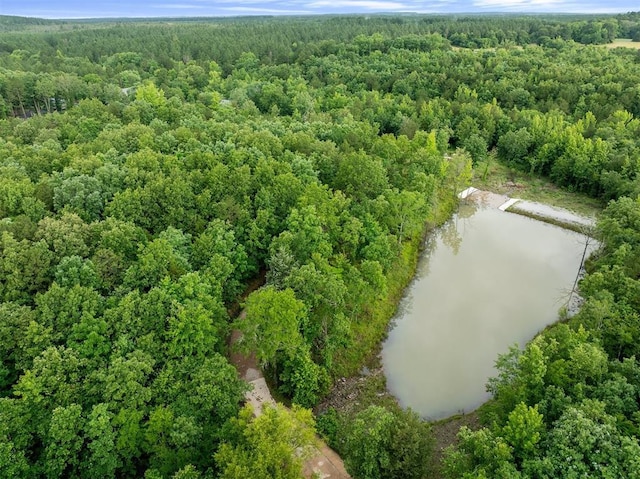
{"type": "Point", "coordinates": [350, 395]}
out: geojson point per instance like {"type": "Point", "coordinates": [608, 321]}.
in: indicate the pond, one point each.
{"type": "Point", "coordinates": [486, 280]}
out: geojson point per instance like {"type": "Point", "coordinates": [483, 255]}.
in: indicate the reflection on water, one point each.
{"type": "Point", "coordinates": [486, 280]}
{"type": "Point", "coordinates": [452, 231]}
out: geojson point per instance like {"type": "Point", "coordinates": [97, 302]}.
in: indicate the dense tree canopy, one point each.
{"type": "Point", "coordinates": [149, 170]}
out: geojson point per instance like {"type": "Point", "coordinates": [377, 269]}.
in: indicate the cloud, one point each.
{"type": "Point", "coordinates": [158, 8]}
{"type": "Point", "coordinates": [366, 4]}
{"type": "Point", "coordinates": [260, 10]}
{"type": "Point", "coordinates": [180, 6]}
{"type": "Point", "coordinates": [543, 6]}
{"type": "Point", "coordinates": [514, 3]}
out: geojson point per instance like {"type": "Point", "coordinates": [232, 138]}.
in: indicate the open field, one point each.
{"type": "Point", "coordinates": [623, 42]}
{"type": "Point", "coordinates": [492, 175]}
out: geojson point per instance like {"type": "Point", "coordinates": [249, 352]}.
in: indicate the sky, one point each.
{"type": "Point", "coordinates": [199, 8]}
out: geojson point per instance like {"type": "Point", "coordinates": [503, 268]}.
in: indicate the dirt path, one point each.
{"type": "Point", "coordinates": [325, 462]}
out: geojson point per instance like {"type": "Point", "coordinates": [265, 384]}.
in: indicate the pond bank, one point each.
{"type": "Point", "coordinates": [370, 386]}
{"type": "Point", "coordinates": [486, 280]}
{"type": "Point", "coordinates": [532, 209]}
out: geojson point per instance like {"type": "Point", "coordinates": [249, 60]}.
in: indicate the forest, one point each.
{"type": "Point", "coordinates": [151, 171]}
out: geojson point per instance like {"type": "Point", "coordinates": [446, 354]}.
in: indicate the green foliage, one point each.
{"type": "Point", "coordinates": [368, 442]}
{"type": "Point", "coordinates": [142, 185]}
{"type": "Point", "coordinates": [150, 94]}
{"type": "Point", "coordinates": [63, 441]}
{"type": "Point", "coordinates": [73, 270]}
{"type": "Point", "coordinates": [103, 458]}
{"type": "Point", "coordinates": [586, 443]}
{"type": "Point", "coordinates": [411, 447]}
{"type": "Point", "coordinates": [566, 406]}
{"type": "Point", "coordinates": [272, 324]}
{"type": "Point", "coordinates": [328, 425]}
{"type": "Point", "coordinates": [523, 430]}
{"type": "Point", "coordinates": [302, 379]}
{"type": "Point", "coordinates": [157, 260]}
{"type": "Point", "coordinates": [480, 454]}
{"type": "Point", "coordinates": [380, 443]}
{"type": "Point", "coordinates": [273, 445]}
{"type": "Point", "coordinates": [476, 146]}
{"type": "Point", "coordinates": [12, 462]}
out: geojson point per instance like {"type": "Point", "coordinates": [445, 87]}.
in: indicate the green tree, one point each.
{"type": "Point", "coordinates": [585, 442]}
{"type": "Point", "coordinates": [26, 268]}
{"type": "Point", "coordinates": [514, 147]}
{"type": "Point", "coordinates": [271, 446]}
{"type": "Point", "coordinates": [368, 443]}
{"type": "Point", "coordinates": [379, 443]}
{"type": "Point", "coordinates": [523, 431]}
{"type": "Point", "coordinates": [73, 270]}
{"type": "Point", "coordinates": [302, 379]}
{"type": "Point", "coordinates": [157, 260]}
{"type": "Point", "coordinates": [102, 458]}
{"type": "Point", "coordinates": [12, 461]}
{"type": "Point", "coordinates": [361, 176]}
{"type": "Point", "coordinates": [480, 454]}
{"type": "Point", "coordinates": [411, 447]}
{"type": "Point", "coordinates": [63, 442]}
{"type": "Point", "coordinates": [67, 236]}
{"type": "Point", "coordinates": [271, 324]}
{"type": "Point", "coordinates": [476, 146]}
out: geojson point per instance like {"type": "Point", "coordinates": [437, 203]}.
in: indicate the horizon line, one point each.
{"type": "Point", "coordinates": [327, 14]}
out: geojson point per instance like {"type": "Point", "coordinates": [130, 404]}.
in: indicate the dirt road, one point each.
{"type": "Point", "coordinates": [325, 462]}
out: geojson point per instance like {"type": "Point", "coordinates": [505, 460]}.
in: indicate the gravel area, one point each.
{"type": "Point", "coordinates": [558, 214]}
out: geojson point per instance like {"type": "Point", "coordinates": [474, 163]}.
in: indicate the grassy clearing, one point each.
{"type": "Point", "coordinates": [492, 175]}
{"type": "Point", "coordinates": [623, 42]}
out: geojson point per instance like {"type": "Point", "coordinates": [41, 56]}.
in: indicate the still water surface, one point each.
{"type": "Point", "coordinates": [486, 280]}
